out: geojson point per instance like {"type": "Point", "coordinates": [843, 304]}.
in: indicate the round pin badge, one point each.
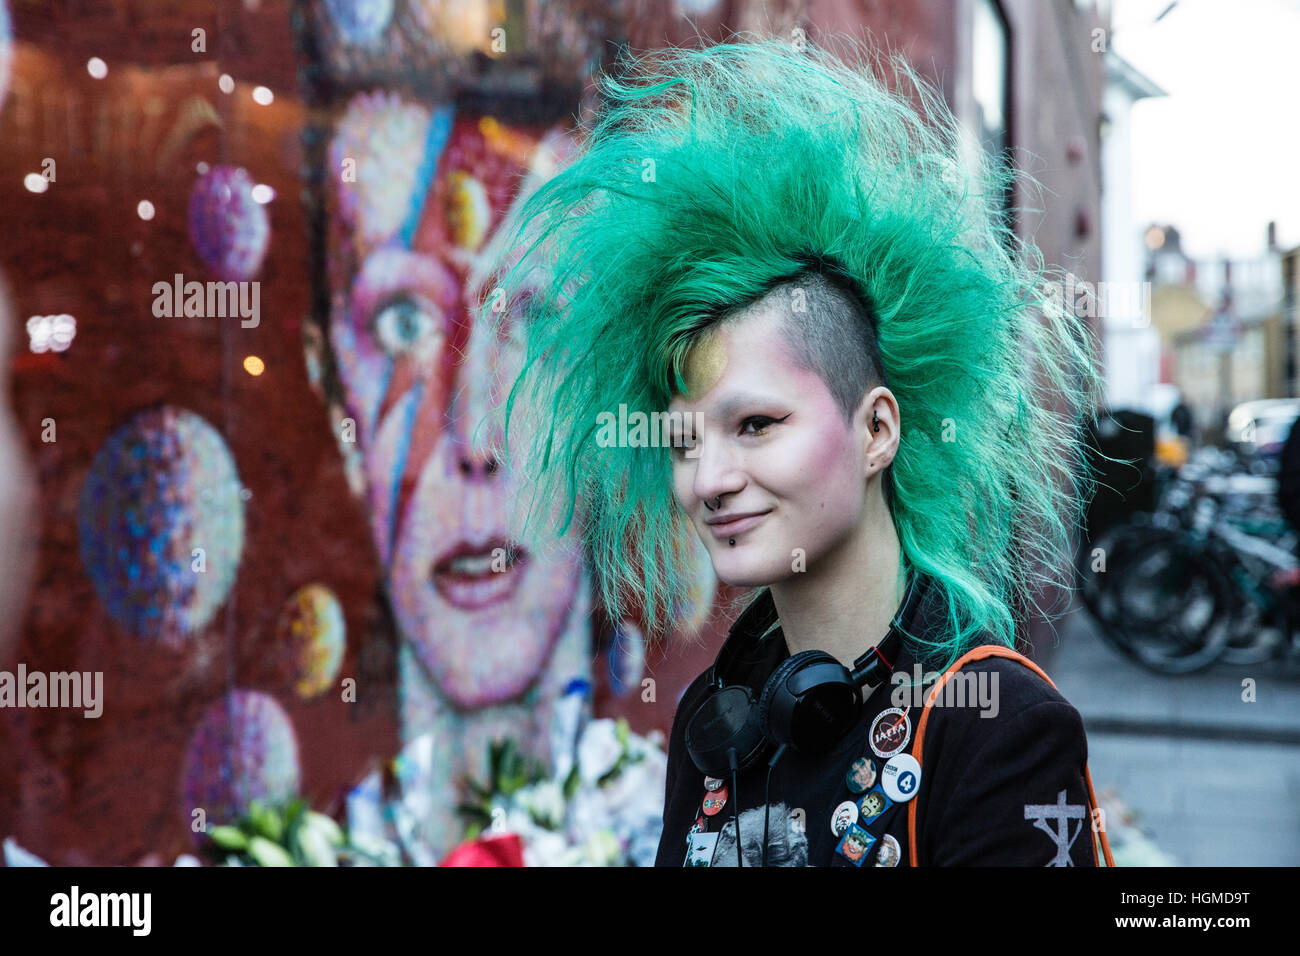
{"type": "Point", "coordinates": [712, 783]}
{"type": "Point", "coordinates": [845, 815]}
{"type": "Point", "coordinates": [900, 777]}
{"type": "Point", "coordinates": [890, 732]}
{"type": "Point", "coordinates": [861, 776]}
{"type": "Point", "coordinates": [715, 801]}
{"type": "Point", "coordinates": [889, 852]}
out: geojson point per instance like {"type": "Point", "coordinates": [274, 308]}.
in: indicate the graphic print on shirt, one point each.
{"type": "Point", "coordinates": [787, 839]}
{"type": "Point", "coordinates": [699, 848]}
{"type": "Point", "coordinates": [1061, 813]}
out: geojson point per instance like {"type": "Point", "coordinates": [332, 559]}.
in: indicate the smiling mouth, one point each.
{"type": "Point", "coordinates": [466, 576]}
{"type": "Point", "coordinates": [726, 529]}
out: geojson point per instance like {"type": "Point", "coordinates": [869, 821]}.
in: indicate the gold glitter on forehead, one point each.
{"type": "Point", "coordinates": [705, 364]}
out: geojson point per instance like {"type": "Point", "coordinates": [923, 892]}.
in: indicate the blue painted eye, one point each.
{"type": "Point", "coordinates": [403, 325]}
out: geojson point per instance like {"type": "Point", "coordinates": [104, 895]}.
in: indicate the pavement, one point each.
{"type": "Point", "coordinates": [1212, 779]}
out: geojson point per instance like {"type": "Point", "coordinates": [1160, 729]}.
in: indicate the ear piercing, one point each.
{"type": "Point", "coordinates": [875, 421]}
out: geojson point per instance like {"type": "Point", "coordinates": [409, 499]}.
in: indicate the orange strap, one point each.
{"type": "Point", "coordinates": [976, 654]}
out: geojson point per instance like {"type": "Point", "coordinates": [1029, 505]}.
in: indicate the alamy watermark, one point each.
{"type": "Point", "coordinates": [130, 910]}
{"type": "Point", "coordinates": [961, 689]}
{"type": "Point", "coordinates": [1122, 300]}
{"type": "Point", "coordinates": [638, 429]}
{"type": "Point", "coordinates": [55, 689]}
{"type": "Point", "coordinates": [208, 300]}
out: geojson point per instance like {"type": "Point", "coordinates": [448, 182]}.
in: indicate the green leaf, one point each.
{"type": "Point", "coordinates": [266, 853]}
{"type": "Point", "coordinates": [571, 783]}
{"type": "Point", "coordinates": [229, 838]}
{"type": "Point", "coordinates": [295, 811]}
{"type": "Point", "coordinates": [267, 822]}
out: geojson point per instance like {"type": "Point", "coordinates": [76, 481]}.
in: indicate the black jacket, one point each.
{"type": "Point", "coordinates": [1002, 789]}
{"type": "Point", "coordinates": [1288, 478]}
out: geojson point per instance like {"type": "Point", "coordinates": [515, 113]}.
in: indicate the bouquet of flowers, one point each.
{"type": "Point", "coordinates": [607, 810]}
{"type": "Point", "coordinates": [291, 834]}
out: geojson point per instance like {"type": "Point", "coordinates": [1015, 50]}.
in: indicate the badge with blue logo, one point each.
{"type": "Point", "coordinates": [900, 777]}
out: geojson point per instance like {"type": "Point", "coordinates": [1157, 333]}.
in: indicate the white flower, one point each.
{"type": "Point", "coordinates": [603, 848]}
{"type": "Point", "coordinates": [516, 820]}
{"type": "Point", "coordinates": [544, 801]}
{"type": "Point", "coordinates": [638, 792]}
{"type": "Point", "coordinates": [376, 847]}
{"type": "Point", "coordinates": [598, 750]}
{"type": "Point", "coordinates": [589, 812]}
{"type": "Point", "coordinates": [315, 847]}
{"type": "Point", "coordinates": [546, 848]}
{"type": "Point", "coordinates": [325, 826]}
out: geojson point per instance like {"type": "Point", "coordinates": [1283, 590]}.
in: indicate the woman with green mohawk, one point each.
{"type": "Point", "coordinates": [865, 400]}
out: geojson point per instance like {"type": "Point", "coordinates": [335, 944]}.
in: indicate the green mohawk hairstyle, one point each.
{"type": "Point", "coordinates": [707, 178]}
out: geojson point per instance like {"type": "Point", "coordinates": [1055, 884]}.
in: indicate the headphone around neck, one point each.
{"type": "Point", "coordinates": [809, 702]}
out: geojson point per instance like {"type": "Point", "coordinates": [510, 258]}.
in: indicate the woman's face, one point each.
{"type": "Point", "coordinates": [766, 436]}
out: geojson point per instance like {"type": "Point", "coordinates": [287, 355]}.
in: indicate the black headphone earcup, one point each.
{"type": "Point", "coordinates": [809, 702]}
{"type": "Point", "coordinates": [725, 721]}
{"type": "Point", "coordinates": [777, 682]}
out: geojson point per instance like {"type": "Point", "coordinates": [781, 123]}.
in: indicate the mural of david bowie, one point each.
{"type": "Point", "coordinates": [490, 630]}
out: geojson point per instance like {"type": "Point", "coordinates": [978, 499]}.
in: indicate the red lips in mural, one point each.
{"type": "Point", "coordinates": [471, 576]}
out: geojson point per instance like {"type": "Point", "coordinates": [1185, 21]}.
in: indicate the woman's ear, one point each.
{"type": "Point", "coordinates": [878, 420]}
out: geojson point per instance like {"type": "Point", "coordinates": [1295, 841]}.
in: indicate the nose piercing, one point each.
{"type": "Point", "coordinates": [718, 499]}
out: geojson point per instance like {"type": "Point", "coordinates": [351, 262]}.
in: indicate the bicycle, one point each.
{"type": "Point", "coordinates": [1235, 538]}
{"type": "Point", "coordinates": [1191, 583]}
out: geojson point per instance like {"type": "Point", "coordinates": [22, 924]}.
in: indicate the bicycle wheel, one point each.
{"type": "Point", "coordinates": [1259, 623]}
{"type": "Point", "coordinates": [1175, 606]}
{"type": "Point", "coordinates": [1097, 564]}
{"type": "Point", "coordinates": [1092, 562]}
{"type": "Point", "coordinates": [1111, 558]}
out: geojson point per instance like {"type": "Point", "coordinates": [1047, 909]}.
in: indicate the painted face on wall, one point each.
{"type": "Point", "coordinates": [766, 437]}
{"type": "Point", "coordinates": [418, 197]}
